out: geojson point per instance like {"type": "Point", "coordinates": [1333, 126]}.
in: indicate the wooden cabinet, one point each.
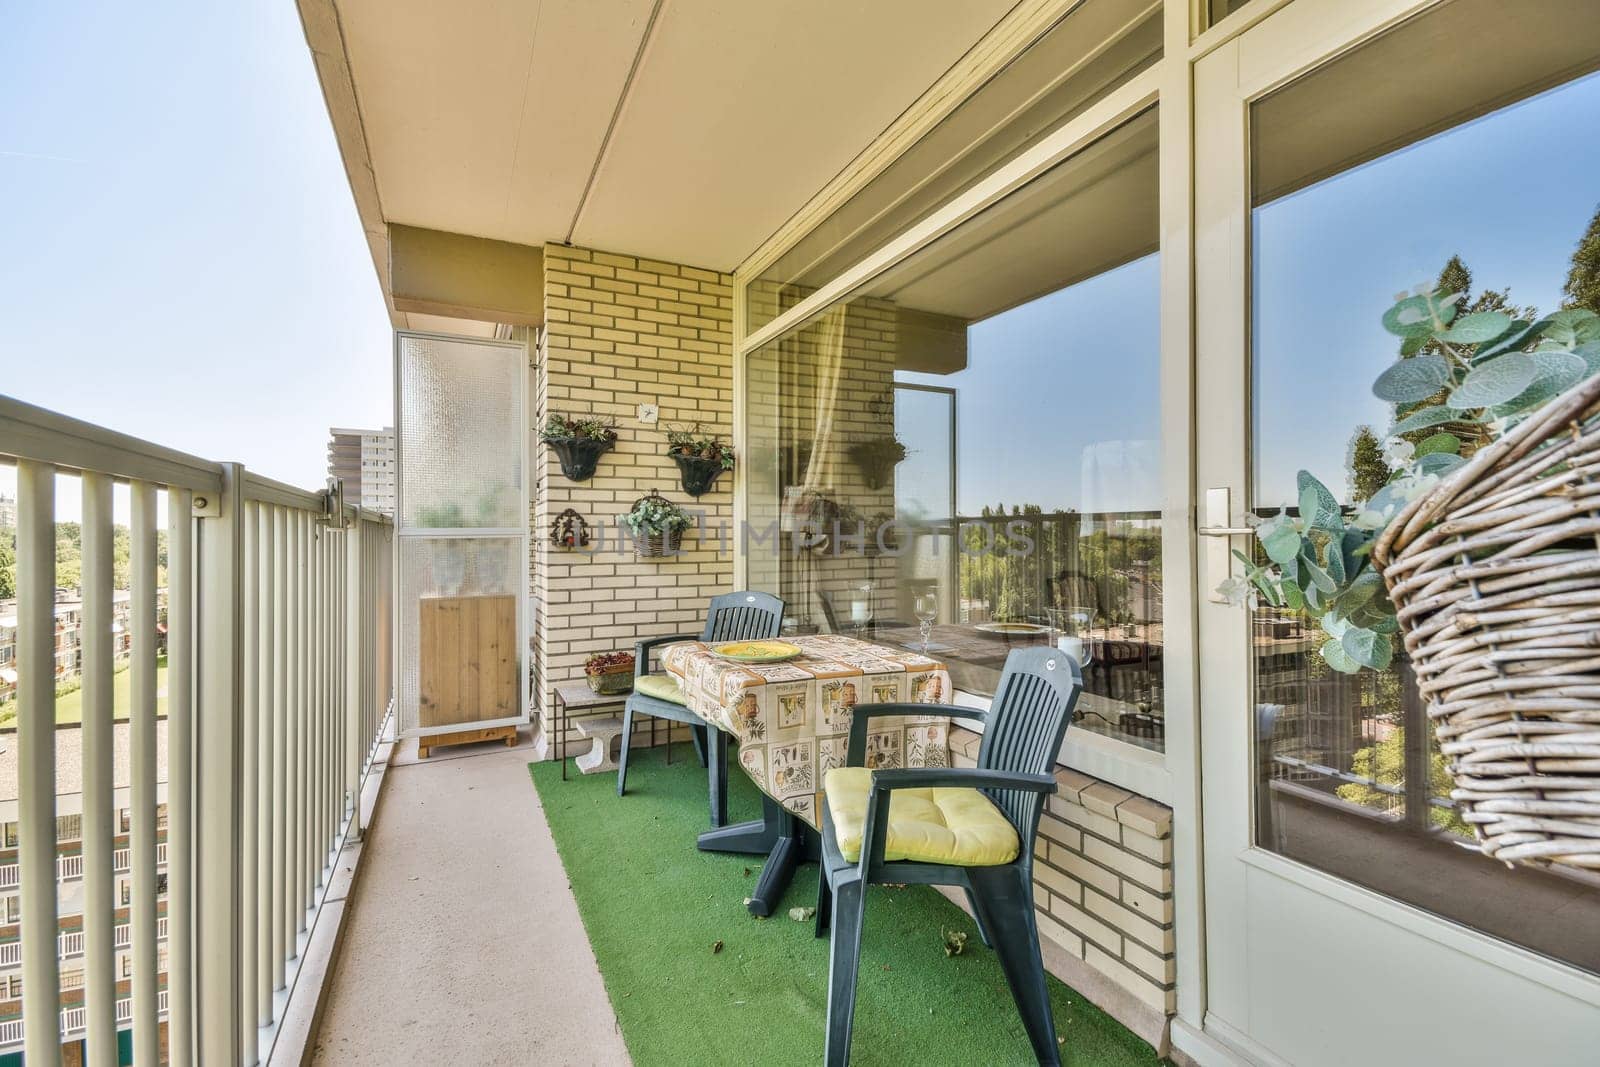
{"type": "Point", "coordinates": [467, 660]}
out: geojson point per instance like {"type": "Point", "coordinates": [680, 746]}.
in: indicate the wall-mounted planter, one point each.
{"type": "Point", "coordinates": [699, 474]}
{"type": "Point", "coordinates": [579, 455]}
{"type": "Point", "coordinates": [876, 459]}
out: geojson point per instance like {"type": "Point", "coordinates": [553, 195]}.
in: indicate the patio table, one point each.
{"type": "Point", "coordinates": [792, 722]}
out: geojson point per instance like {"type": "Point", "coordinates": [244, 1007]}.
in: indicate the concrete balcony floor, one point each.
{"type": "Point", "coordinates": [464, 944]}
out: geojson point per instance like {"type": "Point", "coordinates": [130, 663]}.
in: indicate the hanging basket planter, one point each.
{"type": "Point", "coordinates": [656, 545]}
{"type": "Point", "coordinates": [656, 525]}
{"type": "Point", "coordinates": [1496, 577]}
{"type": "Point", "coordinates": [876, 459]}
{"type": "Point", "coordinates": [579, 455]}
{"type": "Point", "coordinates": [699, 474]}
{"type": "Point", "coordinates": [578, 443]}
{"type": "Point", "coordinates": [701, 458]}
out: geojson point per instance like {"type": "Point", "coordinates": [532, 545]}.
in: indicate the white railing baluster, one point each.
{"type": "Point", "coordinates": [142, 769]}
{"type": "Point", "coordinates": [282, 682]}
{"type": "Point", "coordinates": [217, 750]}
{"type": "Point", "coordinates": [99, 801]}
{"type": "Point", "coordinates": [299, 616]}
{"type": "Point", "coordinates": [180, 775]}
{"type": "Point", "coordinates": [269, 609]}
{"type": "Point", "coordinates": [249, 875]}
{"type": "Point", "coordinates": [319, 673]}
{"type": "Point", "coordinates": [350, 691]}
{"type": "Point", "coordinates": [36, 758]}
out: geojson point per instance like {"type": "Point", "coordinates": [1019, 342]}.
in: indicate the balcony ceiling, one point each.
{"type": "Point", "coordinates": [685, 130]}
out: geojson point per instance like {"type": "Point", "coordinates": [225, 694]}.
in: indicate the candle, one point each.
{"type": "Point", "coordinates": [1072, 646]}
{"type": "Point", "coordinates": [858, 611]}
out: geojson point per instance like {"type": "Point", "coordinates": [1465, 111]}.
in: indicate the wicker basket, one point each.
{"type": "Point", "coordinates": [1496, 577]}
{"type": "Point", "coordinates": [657, 544]}
{"type": "Point", "coordinates": [664, 543]}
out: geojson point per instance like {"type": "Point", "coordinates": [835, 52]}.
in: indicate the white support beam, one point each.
{"type": "Point", "coordinates": [218, 760]}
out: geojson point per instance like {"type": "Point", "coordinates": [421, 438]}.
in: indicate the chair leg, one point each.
{"type": "Point", "coordinates": [717, 775]}
{"type": "Point", "coordinates": [844, 959]}
{"type": "Point", "coordinates": [700, 744]}
{"type": "Point", "coordinates": [622, 751]}
{"type": "Point", "coordinates": [824, 903]}
{"type": "Point", "coordinates": [977, 917]}
{"type": "Point", "coordinates": [1004, 899]}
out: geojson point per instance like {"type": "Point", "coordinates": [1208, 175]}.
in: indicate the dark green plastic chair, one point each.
{"type": "Point", "coordinates": [1022, 734]}
{"type": "Point", "coordinates": [742, 616]}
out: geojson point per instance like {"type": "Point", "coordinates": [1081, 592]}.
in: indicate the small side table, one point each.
{"type": "Point", "coordinates": [577, 696]}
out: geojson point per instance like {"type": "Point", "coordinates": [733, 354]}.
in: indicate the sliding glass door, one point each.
{"type": "Point", "coordinates": [1348, 912]}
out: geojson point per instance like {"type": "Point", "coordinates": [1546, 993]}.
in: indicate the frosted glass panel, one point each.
{"type": "Point", "coordinates": [447, 567]}
{"type": "Point", "coordinates": [460, 434]}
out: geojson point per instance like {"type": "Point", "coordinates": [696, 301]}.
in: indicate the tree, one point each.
{"type": "Point", "coordinates": [1583, 279]}
{"type": "Point", "coordinates": [1385, 764]}
{"type": "Point", "coordinates": [1368, 472]}
{"type": "Point", "coordinates": [69, 555]}
{"type": "Point", "coordinates": [8, 563]}
{"type": "Point", "coordinates": [1456, 277]}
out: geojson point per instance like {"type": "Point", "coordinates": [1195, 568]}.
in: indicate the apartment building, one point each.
{"type": "Point", "coordinates": [70, 900]}
{"type": "Point", "coordinates": [364, 461]}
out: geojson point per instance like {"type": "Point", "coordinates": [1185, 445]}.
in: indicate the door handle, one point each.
{"type": "Point", "coordinates": [1219, 563]}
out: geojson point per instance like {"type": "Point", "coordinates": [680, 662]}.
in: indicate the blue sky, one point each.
{"type": "Point", "coordinates": [182, 258]}
{"type": "Point", "coordinates": [1511, 193]}
{"type": "Point", "coordinates": [1053, 384]}
{"type": "Point", "coordinates": [1049, 385]}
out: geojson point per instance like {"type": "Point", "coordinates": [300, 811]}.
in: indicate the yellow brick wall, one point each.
{"type": "Point", "coordinates": [1102, 880]}
{"type": "Point", "coordinates": [622, 331]}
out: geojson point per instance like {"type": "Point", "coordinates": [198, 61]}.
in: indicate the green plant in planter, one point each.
{"type": "Point", "coordinates": [876, 458]}
{"type": "Point", "coordinates": [693, 444]}
{"type": "Point", "coordinates": [701, 459]}
{"type": "Point", "coordinates": [1462, 378]}
{"type": "Point", "coordinates": [567, 428]}
{"type": "Point", "coordinates": [654, 515]}
{"type": "Point", "coordinates": [578, 443]}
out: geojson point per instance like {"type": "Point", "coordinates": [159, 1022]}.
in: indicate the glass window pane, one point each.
{"type": "Point", "coordinates": [993, 401]}
{"type": "Point", "coordinates": [1351, 778]}
{"type": "Point", "coordinates": [460, 434]}
{"type": "Point", "coordinates": [449, 571]}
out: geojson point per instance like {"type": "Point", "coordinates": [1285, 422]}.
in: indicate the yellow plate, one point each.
{"type": "Point", "coordinates": [1029, 628]}
{"type": "Point", "coordinates": [757, 651]}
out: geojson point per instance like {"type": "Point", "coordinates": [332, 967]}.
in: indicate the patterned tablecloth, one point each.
{"type": "Point", "coordinates": [792, 719]}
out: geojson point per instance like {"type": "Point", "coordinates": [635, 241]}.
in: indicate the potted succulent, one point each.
{"type": "Point", "coordinates": [876, 458]}
{"type": "Point", "coordinates": [701, 459]}
{"type": "Point", "coordinates": [579, 443]}
{"type": "Point", "coordinates": [1480, 552]}
{"type": "Point", "coordinates": [609, 673]}
{"type": "Point", "coordinates": [657, 525]}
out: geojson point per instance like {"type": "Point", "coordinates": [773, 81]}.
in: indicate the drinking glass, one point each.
{"type": "Point", "coordinates": [926, 609]}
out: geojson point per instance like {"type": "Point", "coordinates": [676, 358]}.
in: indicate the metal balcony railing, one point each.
{"type": "Point", "coordinates": [278, 691]}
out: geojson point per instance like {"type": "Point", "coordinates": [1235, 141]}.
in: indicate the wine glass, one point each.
{"type": "Point", "coordinates": [926, 609]}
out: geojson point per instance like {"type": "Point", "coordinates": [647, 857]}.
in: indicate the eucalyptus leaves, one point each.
{"type": "Point", "coordinates": [1467, 378]}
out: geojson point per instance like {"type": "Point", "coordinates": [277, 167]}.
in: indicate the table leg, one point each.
{"type": "Point", "coordinates": [781, 835]}
{"type": "Point", "coordinates": [560, 738]}
{"type": "Point", "coordinates": [717, 773]}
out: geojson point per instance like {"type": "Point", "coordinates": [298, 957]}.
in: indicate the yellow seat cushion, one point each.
{"type": "Point", "coordinates": [661, 686]}
{"type": "Point", "coordinates": [961, 827]}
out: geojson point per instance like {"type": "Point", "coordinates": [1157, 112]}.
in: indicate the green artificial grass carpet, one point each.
{"type": "Point", "coordinates": [656, 908]}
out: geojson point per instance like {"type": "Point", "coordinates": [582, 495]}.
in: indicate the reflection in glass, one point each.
{"type": "Point", "coordinates": [1096, 47]}
{"type": "Point", "coordinates": [965, 457]}
{"type": "Point", "coordinates": [1350, 778]}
